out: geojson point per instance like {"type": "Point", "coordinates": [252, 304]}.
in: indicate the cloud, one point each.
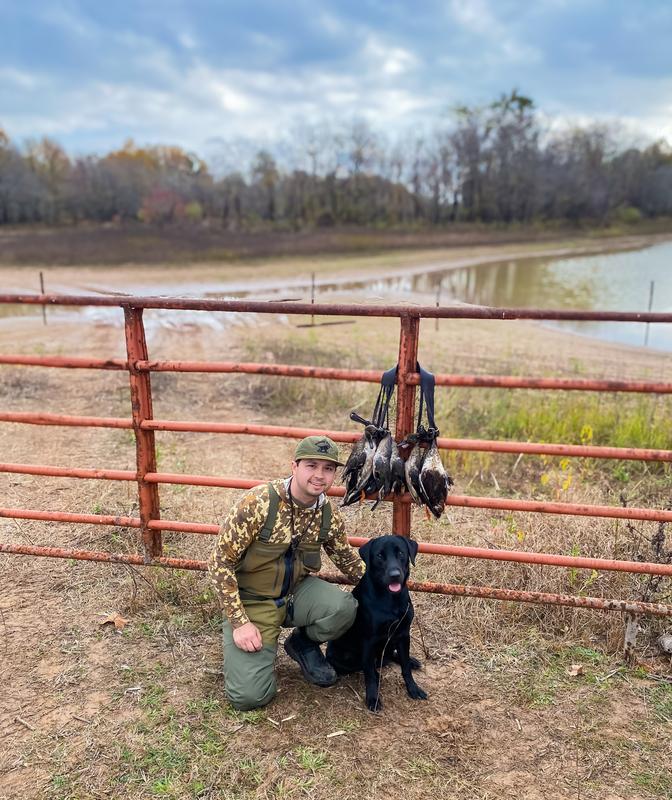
{"type": "Point", "coordinates": [494, 40]}
{"type": "Point", "coordinates": [70, 22]}
{"type": "Point", "coordinates": [390, 60]}
{"type": "Point", "coordinates": [187, 41]}
{"type": "Point", "coordinates": [18, 78]}
{"type": "Point", "coordinates": [93, 74]}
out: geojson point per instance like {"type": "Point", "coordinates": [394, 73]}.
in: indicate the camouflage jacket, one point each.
{"type": "Point", "coordinates": [244, 522]}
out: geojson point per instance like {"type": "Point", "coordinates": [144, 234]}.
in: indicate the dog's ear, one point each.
{"type": "Point", "coordinates": [365, 552]}
{"type": "Point", "coordinates": [412, 547]}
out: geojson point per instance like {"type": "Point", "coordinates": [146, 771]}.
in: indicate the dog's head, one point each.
{"type": "Point", "coordinates": [387, 561]}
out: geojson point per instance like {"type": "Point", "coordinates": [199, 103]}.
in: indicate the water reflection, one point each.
{"type": "Point", "coordinates": [532, 283]}
{"type": "Point", "coordinates": [605, 282]}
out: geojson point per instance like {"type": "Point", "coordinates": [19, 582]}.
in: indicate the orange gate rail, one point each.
{"type": "Point", "coordinates": [143, 424]}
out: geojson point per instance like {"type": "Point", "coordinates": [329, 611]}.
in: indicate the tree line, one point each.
{"type": "Point", "coordinates": [491, 164]}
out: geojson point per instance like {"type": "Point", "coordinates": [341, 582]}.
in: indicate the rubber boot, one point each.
{"type": "Point", "coordinates": [308, 655]}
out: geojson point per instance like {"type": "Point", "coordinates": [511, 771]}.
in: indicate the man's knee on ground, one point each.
{"type": "Point", "coordinates": [247, 698]}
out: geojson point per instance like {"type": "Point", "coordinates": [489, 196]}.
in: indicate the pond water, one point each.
{"type": "Point", "coordinates": [605, 282]}
{"type": "Point", "coordinates": [608, 282]}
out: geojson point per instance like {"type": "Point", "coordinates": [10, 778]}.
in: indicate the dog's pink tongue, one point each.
{"type": "Point", "coordinates": [394, 587]}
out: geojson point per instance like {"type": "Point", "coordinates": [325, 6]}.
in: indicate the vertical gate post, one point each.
{"type": "Point", "coordinates": [408, 357]}
{"type": "Point", "coordinates": [141, 408]}
{"type": "Point", "coordinates": [630, 638]}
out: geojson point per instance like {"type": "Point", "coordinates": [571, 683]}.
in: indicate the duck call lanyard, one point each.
{"type": "Point", "coordinates": [297, 537]}
{"type": "Point", "coordinates": [289, 555]}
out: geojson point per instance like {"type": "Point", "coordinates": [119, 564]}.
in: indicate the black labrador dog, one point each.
{"type": "Point", "coordinates": [381, 630]}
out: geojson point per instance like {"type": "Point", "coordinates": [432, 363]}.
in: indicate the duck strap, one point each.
{"type": "Point", "coordinates": [427, 384]}
{"type": "Point", "coordinates": [273, 505]}
{"type": "Point", "coordinates": [388, 381]}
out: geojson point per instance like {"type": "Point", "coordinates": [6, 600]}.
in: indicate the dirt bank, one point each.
{"type": "Point", "coordinates": [142, 244]}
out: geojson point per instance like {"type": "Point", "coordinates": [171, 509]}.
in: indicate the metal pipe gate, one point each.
{"type": "Point", "coordinates": [142, 422]}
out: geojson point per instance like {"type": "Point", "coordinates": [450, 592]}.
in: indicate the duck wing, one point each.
{"type": "Point", "coordinates": [412, 473]}
{"type": "Point", "coordinates": [357, 457]}
{"type": "Point", "coordinates": [381, 460]}
{"type": "Point", "coordinates": [398, 474]}
{"type": "Point", "coordinates": [366, 471]}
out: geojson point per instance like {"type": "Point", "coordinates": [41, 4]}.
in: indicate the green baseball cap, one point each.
{"type": "Point", "coordinates": [320, 448]}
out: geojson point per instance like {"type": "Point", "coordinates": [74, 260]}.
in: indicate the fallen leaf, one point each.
{"type": "Point", "coordinates": [117, 620]}
{"type": "Point", "coordinates": [575, 669]}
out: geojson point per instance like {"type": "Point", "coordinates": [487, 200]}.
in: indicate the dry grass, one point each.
{"type": "Point", "coordinates": [91, 713]}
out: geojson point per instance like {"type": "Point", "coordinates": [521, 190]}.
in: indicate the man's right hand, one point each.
{"type": "Point", "coordinates": [247, 637]}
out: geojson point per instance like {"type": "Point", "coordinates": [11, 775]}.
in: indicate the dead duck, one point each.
{"type": "Point", "coordinates": [413, 466]}
{"type": "Point", "coordinates": [382, 468]}
{"type": "Point", "coordinates": [434, 481]}
{"type": "Point", "coordinates": [359, 466]}
{"type": "Point", "coordinates": [398, 482]}
{"type": "Point", "coordinates": [381, 463]}
{"type": "Point", "coordinates": [357, 456]}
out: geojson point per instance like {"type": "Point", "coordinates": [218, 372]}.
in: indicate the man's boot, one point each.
{"type": "Point", "coordinates": [308, 655]}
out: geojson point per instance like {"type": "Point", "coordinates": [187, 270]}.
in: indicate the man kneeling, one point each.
{"type": "Point", "coordinates": [268, 545]}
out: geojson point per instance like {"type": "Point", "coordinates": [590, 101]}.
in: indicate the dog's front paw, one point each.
{"type": "Point", "coordinates": [374, 703]}
{"type": "Point", "coordinates": [416, 692]}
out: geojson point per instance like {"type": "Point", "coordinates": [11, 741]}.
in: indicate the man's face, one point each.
{"type": "Point", "coordinates": [311, 478]}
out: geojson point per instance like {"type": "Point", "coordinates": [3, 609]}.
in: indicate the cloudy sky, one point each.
{"type": "Point", "coordinates": [193, 72]}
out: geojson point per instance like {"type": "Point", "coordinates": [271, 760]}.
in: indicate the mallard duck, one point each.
{"type": "Point", "coordinates": [398, 482]}
{"type": "Point", "coordinates": [413, 466]}
{"type": "Point", "coordinates": [359, 465]}
{"type": "Point", "coordinates": [381, 463]}
{"type": "Point", "coordinates": [382, 468]}
{"type": "Point", "coordinates": [434, 481]}
{"type": "Point", "coordinates": [358, 454]}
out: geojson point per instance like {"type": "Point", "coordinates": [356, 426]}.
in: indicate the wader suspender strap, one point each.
{"type": "Point", "coordinates": [273, 505]}
{"type": "Point", "coordinates": [325, 524]}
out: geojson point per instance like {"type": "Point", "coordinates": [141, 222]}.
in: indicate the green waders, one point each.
{"type": "Point", "coordinates": [324, 610]}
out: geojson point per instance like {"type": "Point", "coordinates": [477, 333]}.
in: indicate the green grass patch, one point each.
{"type": "Point", "coordinates": [311, 759]}
{"type": "Point", "coordinates": [660, 700]}
{"type": "Point", "coordinates": [588, 418]}
{"type": "Point", "coordinates": [563, 418]}
{"type": "Point", "coordinates": [540, 674]}
{"type": "Point", "coordinates": [657, 782]}
{"type": "Point", "coordinates": [160, 753]}
{"type": "Point", "coordinates": [250, 717]}
{"type": "Point", "coordinates": [419, 768]}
